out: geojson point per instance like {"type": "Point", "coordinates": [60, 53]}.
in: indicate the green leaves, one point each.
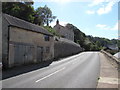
{"type": "Point", "coordinates": [44, 16]}
{"type": "Point", "coordinates": [22, 10]}
{"type": "Point", "coordinates": [51, 30]}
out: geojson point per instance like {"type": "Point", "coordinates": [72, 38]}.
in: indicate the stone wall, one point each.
{"type": "Point", "coordinates": [64, 32]}
{"type": "Point", "coordinates": [112, 59]}
{"type": "Point", "coordinates": [64, 47]}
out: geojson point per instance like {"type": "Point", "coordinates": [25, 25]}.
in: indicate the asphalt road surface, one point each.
{"type": "Point", "coordinates": [78, 71]}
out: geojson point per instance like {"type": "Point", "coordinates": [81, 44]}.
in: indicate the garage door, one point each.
{"type": "Point", "coordinates": [21, 54]}
{"type": "Point", "coordinates": [39, 54]}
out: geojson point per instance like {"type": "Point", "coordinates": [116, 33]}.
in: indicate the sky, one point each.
{"type": "Point", "coordinates": [98, 18]}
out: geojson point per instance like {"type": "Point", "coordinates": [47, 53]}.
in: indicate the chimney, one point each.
{"type": "Point", "coordinates": [57, 22]}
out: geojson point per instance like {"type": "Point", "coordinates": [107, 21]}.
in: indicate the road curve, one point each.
{"type": "Point", "coordinates": [78, 71]}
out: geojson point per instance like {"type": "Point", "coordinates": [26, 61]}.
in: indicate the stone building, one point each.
{"type": "Point", "coordinates": [64, 32]}
{"type": "Point", "coordinates": [23, 42]}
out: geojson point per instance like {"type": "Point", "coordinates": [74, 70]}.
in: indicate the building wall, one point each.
{"type": "Point", "coordinates": [5, 38]}
{"type": "Point", "coordinates": [64, 31]}
{"type": "Point", "coordinates": [69, 34]}
{"type": "Point", "coordinates": [32, 43]}
{"type": "Point", "coordinates": [0, 37]}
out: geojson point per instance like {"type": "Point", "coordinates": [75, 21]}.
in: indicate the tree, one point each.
{"type": "Point", "coordinates": [21, 9]}
{"type": "Point", "coordinates": [44, 16]}
{"type": "Point", "coordinates": [51, 30]}
{"type": "Point", "coordinates": [98, 43]}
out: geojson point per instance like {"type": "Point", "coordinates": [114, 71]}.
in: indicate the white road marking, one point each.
{"type": "Point", "coordinates": [50, 75]}
{"type": "Point", "coordinates": [108, 80]}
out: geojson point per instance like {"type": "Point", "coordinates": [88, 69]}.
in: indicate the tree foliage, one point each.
{"type": "Point", "coordinates": [23, 10]}
{"type": "Point", "coordinates": [102, 43]}
{"type": "Point", "coordinates": [51, 30]}
{"type": "Point", "coordinates": [44, 16]}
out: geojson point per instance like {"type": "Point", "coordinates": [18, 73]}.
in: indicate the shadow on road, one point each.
{"type": "Point", "coordinates": [23, 69]}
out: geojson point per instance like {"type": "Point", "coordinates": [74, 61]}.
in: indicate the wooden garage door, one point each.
{"type": "Point", "coordinates": [39, 54]}
{"type": "Point", "coordinates": [29, 54]}
{"type": "Point", "coordinates": [21, 54]}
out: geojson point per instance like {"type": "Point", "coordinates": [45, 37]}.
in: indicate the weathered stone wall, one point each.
{"type": "Point", "coordinates": [65, 47]}
{"type": "Point", "coordinates": [115, 61]}
{"type": "Point", "coordinates": [64, 31]}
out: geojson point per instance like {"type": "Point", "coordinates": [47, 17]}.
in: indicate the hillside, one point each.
{"type": "Point", "coordinates": [90, 43]}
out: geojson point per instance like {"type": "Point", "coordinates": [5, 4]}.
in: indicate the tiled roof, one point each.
{"type": "Point", "coordinates": [13, 21]}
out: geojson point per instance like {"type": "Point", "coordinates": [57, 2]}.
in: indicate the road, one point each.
{"type": "Point", "coordinates": [78, 71]}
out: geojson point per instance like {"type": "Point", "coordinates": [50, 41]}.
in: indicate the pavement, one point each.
{"type": "Point", "coordinates": [108, 74]}
{"type": "Point", "coordinates": [78, 71]}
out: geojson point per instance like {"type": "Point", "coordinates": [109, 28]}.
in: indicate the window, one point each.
{"type": "Point", "coordinates": [47, 38]}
